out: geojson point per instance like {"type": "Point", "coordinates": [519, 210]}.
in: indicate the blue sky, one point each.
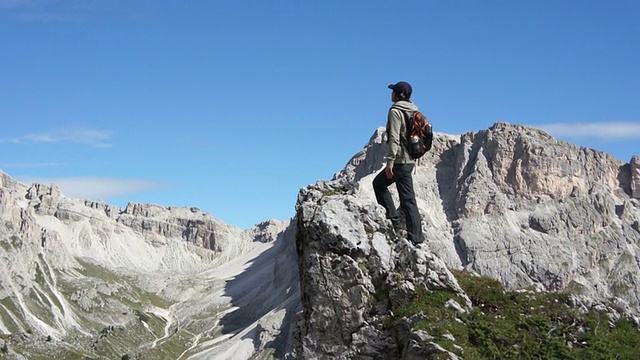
{"type": "Point", "coordinates": [233, 106]}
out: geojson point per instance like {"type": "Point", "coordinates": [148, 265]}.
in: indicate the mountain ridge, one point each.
{"type": "Point", "coordinates": [85, 279]}
{"type": "Point", "coordinates": [509, 203]}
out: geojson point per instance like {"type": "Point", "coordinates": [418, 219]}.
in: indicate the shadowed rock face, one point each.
{"type": "Point", "coordinates": [510, 202]}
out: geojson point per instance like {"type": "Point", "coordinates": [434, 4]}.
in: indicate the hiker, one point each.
{"type": "Point", "coordinates": [399, 168]}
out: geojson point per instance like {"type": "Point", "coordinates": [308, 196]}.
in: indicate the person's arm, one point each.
{"type": "Point", "coordinates": [394, 118]}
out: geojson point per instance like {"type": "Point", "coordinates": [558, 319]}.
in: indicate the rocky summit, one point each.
{"type": "Point", "coordinates": [535, 215]}
{"type": "Point", "coordinates": [510, 203]}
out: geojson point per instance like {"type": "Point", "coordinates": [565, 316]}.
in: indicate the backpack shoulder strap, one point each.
{"type": "Point", "coordinates": [404, 138]}
{"type": "Point", "coordinates": [407, 120]}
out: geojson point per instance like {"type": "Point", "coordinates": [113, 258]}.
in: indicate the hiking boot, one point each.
{"type": "Point", "coordinates": [397, 234]}
{"type": "Point", "coordinates": [399, 224]}
{"type": "Point", "coordinates": [416, 242]}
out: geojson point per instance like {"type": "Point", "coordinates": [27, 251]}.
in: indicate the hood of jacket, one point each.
{"type": "Point", "coordinates": [405, 106]}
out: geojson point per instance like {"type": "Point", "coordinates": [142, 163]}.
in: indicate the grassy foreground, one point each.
{"type": "Point", "coordinates": [521, 324]}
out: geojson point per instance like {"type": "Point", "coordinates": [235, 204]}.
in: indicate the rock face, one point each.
{"type": "Point", "coordinates": [517, 205]}
{"type": "Point", "coordinates": [153, 221]}
{"type": "Point", "coordinates": [510, 202]}
{"type": "Point", "coordinates": [635, 177]}
{"type": "Point", "coordinates": [353, 277]}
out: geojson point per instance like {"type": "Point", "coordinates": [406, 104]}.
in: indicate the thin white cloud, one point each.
{"type": "Point", "coordinates": [15, 4]}
{"type": "Point", "coordinates": [59, 11]}
{"type": "Point", "coordinates": [30, 165]}
{"type": "Point", "coordinates": [606, 131]}
{"type": "Point", "coordinates": [44, 12]}
{"type": "Point", "coordinates": [97, 188]}
{"type": "Point", "coordinates": [46, 17]}
{"type": "Point", "coordinates": [93, 138]}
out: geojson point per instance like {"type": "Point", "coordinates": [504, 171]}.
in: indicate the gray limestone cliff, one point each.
{"type": "Point", "coordinates": [189, 224]}
{"type": "Point", "coordinates": [353, 279]}
{"type": "Point", "coordinates": [510, 202]}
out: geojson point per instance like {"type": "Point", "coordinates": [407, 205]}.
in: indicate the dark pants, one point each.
{"type": "Point", "coordinates": [404, 183]}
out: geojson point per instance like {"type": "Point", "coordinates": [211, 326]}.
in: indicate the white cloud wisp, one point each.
{"type": "Point", "coordinates": [31, 165]}
{"type": "Point", "coordinates": [605, 131]}
{"type": "Point", "coordinates": [97, 188]}
{"type": "Point", "coordinates": [92, 138]}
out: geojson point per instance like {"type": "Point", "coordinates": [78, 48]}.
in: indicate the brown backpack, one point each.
{"type": "Point", "coordinates": [419, 134]}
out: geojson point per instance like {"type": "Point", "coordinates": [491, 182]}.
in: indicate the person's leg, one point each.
{"type": "Point", "coordinates": [408, 204]}
{"type": "Point", "coordinates": [383, 196]}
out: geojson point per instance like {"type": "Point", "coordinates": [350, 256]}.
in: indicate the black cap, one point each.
{"type": "Point", "coordinates": [402, 88]}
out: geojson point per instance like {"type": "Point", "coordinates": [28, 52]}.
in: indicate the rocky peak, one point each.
{"type": "Point", "coordinates": [527, 162]}
{"type": "Point", "coordinates": [510, 202]}
{"type": "Point", "coordinates": [7, 182]}
{"type": "Point", "coordinates": [353, 276]}
{"type": "Point", "coordinates": [268, 231]}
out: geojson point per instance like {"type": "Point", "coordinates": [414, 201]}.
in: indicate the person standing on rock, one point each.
{"type": "Point", "coordinates": [399, 168]}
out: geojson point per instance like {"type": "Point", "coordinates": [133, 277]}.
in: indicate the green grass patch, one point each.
{"type": "Point", "coordinates": [6, 244]}
{"type": "Point", "coordinates": [520, 324]}
{"type": "Point", "coordinates": [95, 271]}
{"type": "Point", "coordinates": [440, 319]}
{"type": "Point", "coordinates": [41, 280]}
{"type": "Point", "coordinates": [171, 347]}
{"type": "Point", "coordinates": [133, 297]}
{"type": "Point", "coordinates": [6, 318]}
{"type": "Point", "coordinates": [39, 306]}
{"type": "Point", "coordinates": [15, 241]}
{"type": "Point", "coordinates": [10, 305]}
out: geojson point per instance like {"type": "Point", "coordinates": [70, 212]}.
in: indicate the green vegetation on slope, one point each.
{"type": "Point", "coordinates": [520, 325]}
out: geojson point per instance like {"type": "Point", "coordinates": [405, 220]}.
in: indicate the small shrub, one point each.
{"type": "Point", "coordinates": [15, 240]}
{"type": "Point", "coordinates": [440, 320]}
{"type": "Point", "coordinates": [142, 316]}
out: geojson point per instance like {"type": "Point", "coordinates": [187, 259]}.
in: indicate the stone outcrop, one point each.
{"type": "Point", "coordinates": [268, 231]}
{"type": "Point", "coordinates": [353, 277]}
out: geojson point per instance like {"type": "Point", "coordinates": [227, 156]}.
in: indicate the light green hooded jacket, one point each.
{"type": "Point", "coordinates": [396, 133]}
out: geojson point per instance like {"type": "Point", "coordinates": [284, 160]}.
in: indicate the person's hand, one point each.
{"type": "Point", "coordinates": [389, 171]}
